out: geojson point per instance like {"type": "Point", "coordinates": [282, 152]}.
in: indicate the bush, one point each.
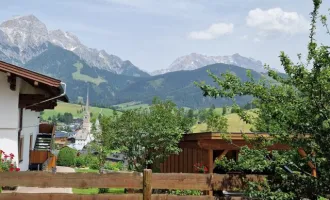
{"type": "Point", "coordinates": [81, 161]}
{"type": "Point", "coordinates": [186, 192]}
{"type": "Point", "coordinates": [94, 163]}
{"type": "Point", "coordinates": [103, 190]}
{"type": "Point", "coordinates": [66, 157]}
{"type": "Point", "coordinates": [114, 166]}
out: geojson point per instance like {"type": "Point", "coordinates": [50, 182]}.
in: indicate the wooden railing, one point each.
{"type": "Point", "coordinates": [38, 156]}
{"type": "Point", "coordinates": [146, 181]}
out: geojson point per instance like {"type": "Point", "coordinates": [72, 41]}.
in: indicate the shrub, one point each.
{"type": "Point", "coordinates": [94, 163]}
{"type": "Point", "coordinates": [103, 190]}
{"type": "Point", "coordinates": [66, 157]}
{"type": "Point", "coordinates": [186, 192]}
{"type": "Point", "coordinates": [114, 166]}
{"type": "Point", "coordinates": [80, 161]}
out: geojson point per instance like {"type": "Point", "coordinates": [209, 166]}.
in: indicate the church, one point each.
{"type": "Point", "coordinates": [83, 136]}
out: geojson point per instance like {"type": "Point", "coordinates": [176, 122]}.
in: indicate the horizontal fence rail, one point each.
{"type": "Point", "coordinates": [146, 181]}
{"type": "Point", "coordinates": [18, 196]}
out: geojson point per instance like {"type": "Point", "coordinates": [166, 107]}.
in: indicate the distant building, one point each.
{"type": "Point", "coordinates": [61, 138]}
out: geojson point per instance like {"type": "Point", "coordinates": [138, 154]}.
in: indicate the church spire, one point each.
{"type": "Point", "coordinates": [87, 100]}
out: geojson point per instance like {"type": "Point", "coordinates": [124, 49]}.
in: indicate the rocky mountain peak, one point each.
{"type": "Point", "coordinates": [194, 61]}
{"type": "Point", "coordinates": [65, 40]}
{"type": "Point", "coordinates": [31, 37]}
{"type": "Point", "coordinates": [25, 31]}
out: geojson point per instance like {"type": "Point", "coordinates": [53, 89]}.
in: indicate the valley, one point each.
{"type": "Point", "coordinates": [27, 42]}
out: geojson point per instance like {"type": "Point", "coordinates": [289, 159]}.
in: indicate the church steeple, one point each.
{"type": "Point", "coordinates": [87, 100]}
{"type": "Point", "coordinates": [86, 120]}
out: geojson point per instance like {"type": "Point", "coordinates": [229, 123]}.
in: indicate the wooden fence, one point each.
{"type": "Point", "coordinates": [147, 181]}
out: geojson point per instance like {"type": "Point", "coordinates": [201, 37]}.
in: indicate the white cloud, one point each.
{"type": "Point", "coordinates": [244, 37]}
{"type": "Point", "coordinates": [256, 40]}
{"type": "Point", "coordinates": [213, 32]}
{"type": "Point", "coordinates": [277, 20]}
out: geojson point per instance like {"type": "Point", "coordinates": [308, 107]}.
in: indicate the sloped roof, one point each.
{"type": "Point", "coordinates": [49, 83]}
{"type": "Point", "coordinates": [60, 134]}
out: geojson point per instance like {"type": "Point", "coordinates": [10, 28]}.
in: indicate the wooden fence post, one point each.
{"type": "Point", "coordinates": [147, 189]}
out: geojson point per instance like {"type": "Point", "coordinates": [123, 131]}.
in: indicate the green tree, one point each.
{"type": "Point", "coordinates": [224, 110]}
{"type": "Point", "coordinates": [67, 118]}
{"type": "Point", "coordinates": [147, 136]}
{"type": "Point", "coordinates": [202, 114]}
{"type": "Point", "coordinates": [190, 114]}
{"type": "Point", "coordinates": [289, 108]}
{"type": "Point", "coordinates": [54, 120]}
{"type": "Point", "coordinates": [66, 157]}
{"type": "Point", "coordinates": [216, 123]}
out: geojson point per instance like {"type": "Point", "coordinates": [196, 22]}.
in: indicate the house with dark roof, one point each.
{"type": "Point", "coordinates": [61, 138]}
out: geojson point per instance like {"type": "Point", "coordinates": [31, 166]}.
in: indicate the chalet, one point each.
{"type": "Point", "coordinates": [61, 138]}
{"type": "Point", "coordinates": [24, 94]}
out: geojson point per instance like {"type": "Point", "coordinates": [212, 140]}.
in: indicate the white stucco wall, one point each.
{"type": "Point", "coordinates": [30, 127]}
{"type": "Point", "coordinates": [9, 120]}
{"type": "Point", "coordinates": [9, 114]}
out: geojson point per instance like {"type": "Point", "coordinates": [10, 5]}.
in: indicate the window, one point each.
{"type": "Point", "coordinates": [31, 142]}
{"type": "Point", "coordinates": [20, 149]}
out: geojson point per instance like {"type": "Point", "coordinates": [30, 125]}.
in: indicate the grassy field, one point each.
{"type": "Point", "coordinates": [96, 190]}
{"type": "Point", "coordinates": [93, 190]}
{"type": "Point", "coordinates": [73, 109]}
{"type": "Point", "coordinates": [131, 105]}
{"type": "Point", "coordinates": [235, 124]}
{"type": "Point", "coordinates": [78, 76]}
{"type": "Point", "coordinates": [86, 170]}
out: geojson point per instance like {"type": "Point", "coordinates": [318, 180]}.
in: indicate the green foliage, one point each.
{"type": "Point", "coordinates": [187, 192]}
{"type": "Point", "coordinates": [146, 136]}
{"type": "Point", "coordinates": [216, 123]}
{"type": "Point", "coordinates": [249, 160]}
{"type": "Point", "coordinates": [94, 163]}
{"type": "Point", "coordinates": [81, 161]}
{"type": "Point", "coordinates": [114, 166]}
{"type": "Point", "coordinates": [67, 157]}
{"type": "Point", "coordinates": [253, 192]}
{"type": "Point", "coordinates": [103, 190]}
{"type": "Point", "coordinates": [289, 108]}
{"type": "Point", "coordinates": [224, 110]}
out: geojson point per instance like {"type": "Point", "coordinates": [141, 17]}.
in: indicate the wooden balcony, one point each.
{"type": "Point", "coordinates": [41, 157]}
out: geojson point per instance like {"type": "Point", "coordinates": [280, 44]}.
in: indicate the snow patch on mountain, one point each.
{"type": "Point", "coordinates": [25, 37]}
{"type": "Point", "coordinates": [195, 61]}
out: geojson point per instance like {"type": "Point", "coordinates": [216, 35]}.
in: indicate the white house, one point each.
{"type": "Point", "coordinates": [23, 95]}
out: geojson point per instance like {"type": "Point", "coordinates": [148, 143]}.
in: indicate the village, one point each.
{"type": "Point", "coordinates": [79, 123]}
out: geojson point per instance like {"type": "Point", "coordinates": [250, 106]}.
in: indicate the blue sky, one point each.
{"type": "Point", "coordinates": [153, 33]}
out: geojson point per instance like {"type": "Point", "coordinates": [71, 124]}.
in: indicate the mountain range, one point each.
{"type": "Point", "coordinates": [195, 61]}
{"type": "Point", "coordinates": [23, 38]}
{"type": "Point", "coordinates": [26, 41]}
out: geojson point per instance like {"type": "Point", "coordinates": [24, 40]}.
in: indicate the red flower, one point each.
{"type": "Point", "coordinates": [18, 169]}
{"type": "Point", "coordinates": [11, 155]}
{"type": "Point", "coordinates": [6, 156]}
{"type": "Point", "coordinates": [3, 160]}
{"type": "Point", "coordinates": [11, 169]}
{"type": "Point", "coordinates": [11, 165]}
